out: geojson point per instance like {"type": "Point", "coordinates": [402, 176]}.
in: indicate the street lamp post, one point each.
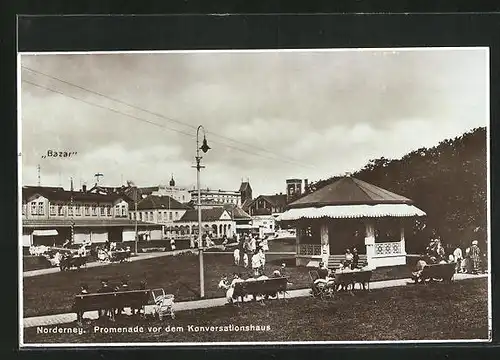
{"type": "Point", "coordinates": [136, 234]}
{"type": "Point", "coordinates": [204, 147]}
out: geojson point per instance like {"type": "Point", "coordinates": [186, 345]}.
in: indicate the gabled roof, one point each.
{"type": "Point", "coordinates": [213, 214]}
{"type": "Point", "coordinates": [278, 200]}
{"type": "Point", "coordinates": [59, 194]}
{"type": "Point", "coordinates": [161, 202]}
{"type": "Point", "coordinates": [349, 191]}
{"type": "Point", "coordinates": [236, 212]}
{"type": "Point", "coordinates": [246, 204]}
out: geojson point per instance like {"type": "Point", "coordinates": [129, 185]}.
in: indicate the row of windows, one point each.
{"type": "Point", "coordinates": [148, 216]}
{"type": "Point", "coordinates": [38, 208]}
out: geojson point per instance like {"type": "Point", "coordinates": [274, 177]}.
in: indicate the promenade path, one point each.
{"type": "Point", "coordinates": [51, 320]}
{"type": "Point", "coordinates": [141, 256]}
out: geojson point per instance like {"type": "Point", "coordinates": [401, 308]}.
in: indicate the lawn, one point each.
{"type": "Point", "coordinates": [415, 312]}
{"type": "Point", "coordinates": [53, 293]}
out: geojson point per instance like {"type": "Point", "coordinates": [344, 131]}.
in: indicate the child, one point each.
{"type": "Point", "coordinates": [236, 255]}
{"type": "Point", "coordinates": [245, 260]}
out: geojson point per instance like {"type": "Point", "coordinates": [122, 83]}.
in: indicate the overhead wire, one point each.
{"type": "Point", "coordinates": [246, 151]}
{"type": "Point", "coordinates": [279, 156]}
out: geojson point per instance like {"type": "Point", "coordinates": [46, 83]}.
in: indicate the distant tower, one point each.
{"type": "Point", "coordinates": [38, 173]}
{"type": "Point", "coordinates": [71, 184]}
{"type": "Point", "coordinates": [293, 189]}
{"type": "Point", "coordinates": [98, 177]}
{"type": "Point", "coordinates": [245, 191]}
{"type": "Point", "coordinates": [172, 181]}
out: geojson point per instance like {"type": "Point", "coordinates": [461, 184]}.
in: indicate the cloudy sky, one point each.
{"type": "Point", "coordinates": [268, 115]}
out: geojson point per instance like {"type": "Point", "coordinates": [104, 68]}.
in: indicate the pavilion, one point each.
{"type": "Point", "coordinates": [351, 213]}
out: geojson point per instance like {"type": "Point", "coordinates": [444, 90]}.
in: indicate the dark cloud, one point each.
{"type": "Point", "coordinates": [318, 113]}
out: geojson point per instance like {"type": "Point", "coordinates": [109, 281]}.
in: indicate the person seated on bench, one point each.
{"type": "Point", "coordinates": [323, 278]}
{"type": "Point", "coordinates": [343, 268]}
{"type": "Point", "coordinates": [419, 267]}
{"type": "Point", "coordinates": [105, 288]}
{"type": "Point", "coordinates": [84, 289]}
{"type": "Point", "coordinates": [230, 290]}
{"type": "Point", "coordinates": [223, 283]}
{"type": "Point", "coordinates": [123, 287]}
{"type": "Point", "coordinates": [142, 286]}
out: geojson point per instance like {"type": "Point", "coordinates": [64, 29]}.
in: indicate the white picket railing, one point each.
{"type": "Point", "coordinates": [388, 248]}
{"type": "Point", "coordinates": [310, 249]}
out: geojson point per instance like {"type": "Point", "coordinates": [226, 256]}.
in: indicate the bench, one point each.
{"type": "Point", "coordinates": [119, 256]}
{"type": "Point", "coordinates": [134, 299]}
{"type": "Point", "coordinates": [269, 287]}
{"type": "Point", "coordinates": [72, 262]}
{"type": "Point", "coordinates": [443, 272]}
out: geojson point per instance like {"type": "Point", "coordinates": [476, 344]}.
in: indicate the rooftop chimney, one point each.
{"type": "Point", "coordinates": [84, 188]}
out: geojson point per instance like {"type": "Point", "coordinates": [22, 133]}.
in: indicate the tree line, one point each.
{"type": "Point", "coordinates": [447, 181]}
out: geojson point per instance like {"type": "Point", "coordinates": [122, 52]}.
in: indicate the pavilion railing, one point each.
{"type": "Point", "coordinates": [388, 248]}
{"type": "Point", "coordinates": [309, 249]}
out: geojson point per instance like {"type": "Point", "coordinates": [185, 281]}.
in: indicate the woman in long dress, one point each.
{"type": "Point", "coordinates": [475, 257]}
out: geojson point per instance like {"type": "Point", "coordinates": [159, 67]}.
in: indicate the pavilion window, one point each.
{"type": "Point", "coordinates": [33, 208]}
{"type": "Point", "coordinates": [124, 211]}
{"type": "Point", "coordinates": [52, 210]}
{"type": "Point", "coordinates": [70, 210]}
{"type": "Point", "coordinates": [117, 210]}
{"type": "Point", "coordinates": [87, 210]}
{"type": "Point", "coordinates": [94, 210]}
{"type": "Point", "coordinates": [24, 209]}
{"type": "Point", "coordinates": [78, 210]}
{"type": "Point", "coordinates": [170, 215]}
{"type": "Point", "coordinates": [60, 210]}
{"type": "Point", "coordinates": [108, 209]}
{"type": "Point", "coordinates": [103, 210]}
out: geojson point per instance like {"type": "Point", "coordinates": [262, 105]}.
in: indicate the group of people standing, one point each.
{"type": "Point", "coordinates": [470, 262]}
{"type": "Point", "coordinates": [254, 249]}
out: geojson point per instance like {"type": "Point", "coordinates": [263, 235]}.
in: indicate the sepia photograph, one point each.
{"type": "Point", "coordinates": [232, 197]}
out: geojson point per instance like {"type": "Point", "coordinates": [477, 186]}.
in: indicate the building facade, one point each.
{"type": "Point", "coordinates": [54, 215]}
{"type": "Point", "coordinates": [216, 221]}
{"type": "Point", "coordinates": [213, 198]}
{"type": "Point", "coordinates": [159, 209]}
{"type": "Point", "coordinates": [265, 223]}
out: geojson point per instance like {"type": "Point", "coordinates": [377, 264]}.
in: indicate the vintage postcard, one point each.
{"type": "Point", "coordinates": [254, 197]}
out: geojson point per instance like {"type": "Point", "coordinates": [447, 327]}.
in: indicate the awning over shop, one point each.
{"type": "Point", "coordinates": [352, 211]}
{"type": "Point", "coordinates": [45, 233]}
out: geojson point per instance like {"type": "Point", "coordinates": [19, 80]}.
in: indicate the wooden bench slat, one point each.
{"type": "Point", "coordinates": [118, 299]}
{"type": "Point", "coordinates": [267, 286]}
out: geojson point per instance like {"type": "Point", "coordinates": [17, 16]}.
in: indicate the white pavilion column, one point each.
{"type": "Point", "coordinates": [370, 241]}
{"type": "Point", "coordinates": [402, 239]}
{"type": "Point", "coordinates": [325, 243]}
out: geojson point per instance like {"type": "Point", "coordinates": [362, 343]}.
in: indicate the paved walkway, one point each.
{"type": "Point", "coordinates": [141, 256]}
{"type": "Point", "coordinates": [208, 303]}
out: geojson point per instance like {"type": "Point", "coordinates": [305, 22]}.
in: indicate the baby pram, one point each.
{"type": "Point", "coordinates": [164, 304]}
